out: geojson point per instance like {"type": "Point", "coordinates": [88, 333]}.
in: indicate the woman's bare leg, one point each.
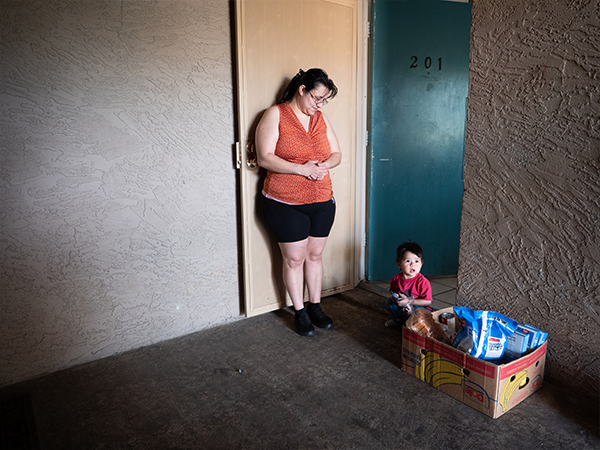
{"type": "Point", "coordinates": [302, 262]}
{"type": "Point", "coordinates": [294, 257]}
{"type": "Point", "coordinates": [313, 268]}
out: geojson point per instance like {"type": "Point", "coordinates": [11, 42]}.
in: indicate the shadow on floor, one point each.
{"type": "Point", "coordinates": [257, 384]}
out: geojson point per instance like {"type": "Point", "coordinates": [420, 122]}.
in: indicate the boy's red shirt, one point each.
{"type": "Point", "coordinates": [418, 287]}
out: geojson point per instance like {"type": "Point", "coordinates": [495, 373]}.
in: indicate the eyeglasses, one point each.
{"type": "Point", "coordinates": [322, 102]}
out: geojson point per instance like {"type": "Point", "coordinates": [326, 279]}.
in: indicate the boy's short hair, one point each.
{"type": "Point", "coordinates": [412, 247]}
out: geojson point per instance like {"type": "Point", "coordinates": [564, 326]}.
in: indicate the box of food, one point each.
{"type": "Point", "coordinates": [489, 388]}
{"type": "Point", "coordinates": [517, 344]}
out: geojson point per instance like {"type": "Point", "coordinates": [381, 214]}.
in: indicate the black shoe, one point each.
{"type": "Point", "coordinates": [318, 317]}
{"type": "Point", "coordinates": [303, 325]}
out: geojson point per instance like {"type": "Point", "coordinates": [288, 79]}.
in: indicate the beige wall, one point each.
{"type": "Point", "coordinates": [118, 220]}
{"type": "Point", "coordinates": [530, 241]}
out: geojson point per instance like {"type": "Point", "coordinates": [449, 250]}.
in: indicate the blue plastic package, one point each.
{"type": "Point", "coordinates": [484, 333]}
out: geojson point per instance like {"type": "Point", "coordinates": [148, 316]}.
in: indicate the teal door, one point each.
{"type": "Point", "coordinates": [419, 88]}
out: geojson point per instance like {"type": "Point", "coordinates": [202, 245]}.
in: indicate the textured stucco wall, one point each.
{"type": "Point", "coordinates": [118, 218]}
{"type": "Point", "coordinates": [530, 239]}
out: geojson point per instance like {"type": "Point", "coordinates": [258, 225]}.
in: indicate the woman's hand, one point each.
{"type": "Point", "coordinates": [315, 170]}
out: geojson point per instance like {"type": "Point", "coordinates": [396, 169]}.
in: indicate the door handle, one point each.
{"type": "Point", "coordinates": [251, 160]}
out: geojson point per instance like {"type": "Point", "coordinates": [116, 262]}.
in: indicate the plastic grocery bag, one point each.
{"type": "Point", "coordinates": [484, 333]}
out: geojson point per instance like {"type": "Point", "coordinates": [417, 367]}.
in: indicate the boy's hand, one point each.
{"type": "Point", "coordinates": [402, 299]}
{"type": "Point", "coordinates": [405, 301]}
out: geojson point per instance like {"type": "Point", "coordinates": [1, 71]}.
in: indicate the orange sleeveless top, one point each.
{"type": "Point", "coordinates": [297, 145]}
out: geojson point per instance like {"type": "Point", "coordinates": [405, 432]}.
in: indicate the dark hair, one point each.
{"type": "Point", "coordinates": [309, 79]}
{"type": "Point", "coordinates": [412, 247]}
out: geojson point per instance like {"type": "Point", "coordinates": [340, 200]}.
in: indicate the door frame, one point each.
{"type": "Point", "coordinates": [362, 138]}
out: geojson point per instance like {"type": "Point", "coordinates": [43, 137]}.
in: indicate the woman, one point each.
{"type": "Point", "coordinates": [297, 145]}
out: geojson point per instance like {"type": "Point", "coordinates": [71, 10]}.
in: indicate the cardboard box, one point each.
{"type": "Point", "coordinates": [540, 337]}
{"type": "Point", "coordinates": [534, 336]}
{"type": "Point", "coordinates": [488, 388]}
{"type": "Point", "coordinates": [516, 344]}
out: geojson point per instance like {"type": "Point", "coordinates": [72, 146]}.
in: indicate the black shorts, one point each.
{"type": "Point", "coordinates": [293, 223]}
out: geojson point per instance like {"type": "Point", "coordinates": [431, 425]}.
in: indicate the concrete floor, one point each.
{"type": "Point", "coordinates": [257, 384]}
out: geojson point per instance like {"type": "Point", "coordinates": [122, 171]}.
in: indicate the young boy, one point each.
{"type": "Point", "coordinates": [409, 288]}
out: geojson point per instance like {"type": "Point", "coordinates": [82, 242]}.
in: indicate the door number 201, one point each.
{"type": "Point", "coordinates": [428, 62]}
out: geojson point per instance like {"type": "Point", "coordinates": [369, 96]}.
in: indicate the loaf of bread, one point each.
{"type": "Point", "coordinates": [421, 321]}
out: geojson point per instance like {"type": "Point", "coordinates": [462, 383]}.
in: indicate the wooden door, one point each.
{"type": "Point", "coordinates": [274, 40]}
